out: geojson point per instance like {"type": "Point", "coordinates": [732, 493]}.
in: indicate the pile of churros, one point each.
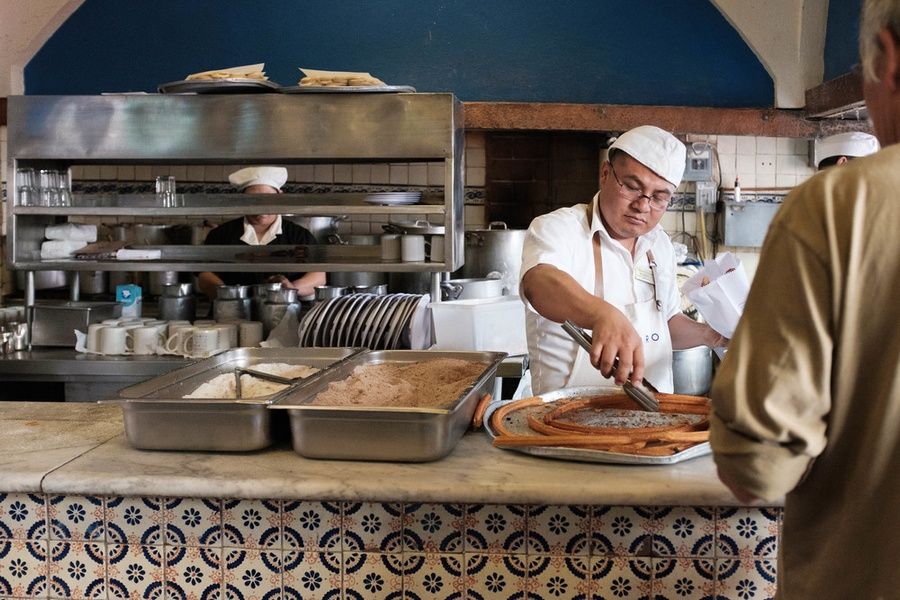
{"type": "Point", "coordinates": [612, 423]}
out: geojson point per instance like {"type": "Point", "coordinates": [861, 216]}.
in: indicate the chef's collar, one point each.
{"type": "Point", "coordinates": [250, 237]}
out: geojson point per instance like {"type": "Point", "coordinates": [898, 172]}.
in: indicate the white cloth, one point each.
{"type": "Point", "coordinates": [249, 236]}
{"type": "Point", "coordinates": [562, 239]}
{"type": "Point", "coordinates": [271, 176]}
{"type": "Point", "coordinates": [60, 248]}
{"type": "Point", "coordinates": [71, 231]}
{"type": "Point", "coordinates": [656, 149]}
{"type": "Point", "coordinates": [853, 143]}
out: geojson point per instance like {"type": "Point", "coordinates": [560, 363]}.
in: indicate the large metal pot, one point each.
{"type": "Point", "coordinates": [495, 252]}
{"type": "Point", "coordinates": [471, 289]}
{"type": "Point", "coordinates": [93, 282]}
{"type": "Point", "coordinates": [43, 280]}
{"type": "Point", "coordinates": [320, 227]}
{"type": "Point", "coordinates": [692, 369]}
{"type": "Point", "coordinates": [350, 279]}
{"type": "Point", "coordinates": [140, 234]}
{"type": "Point", "coordinates": [153, 282]}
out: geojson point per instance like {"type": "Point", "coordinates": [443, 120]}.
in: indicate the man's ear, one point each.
{"type": "Point", "coordinates": [888, 67]}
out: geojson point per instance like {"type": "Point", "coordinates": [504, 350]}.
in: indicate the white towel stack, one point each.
{"type": "Point", "coordinates": [71, 231]}
{"type": "Point", "coordinates": [60, 248]}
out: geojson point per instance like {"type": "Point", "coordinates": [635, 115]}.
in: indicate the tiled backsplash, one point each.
{"type": "Point", "coordinates": [124, 547]}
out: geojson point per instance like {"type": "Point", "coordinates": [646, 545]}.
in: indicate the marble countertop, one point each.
{"type": "Point", "coordinates": [59, 448]}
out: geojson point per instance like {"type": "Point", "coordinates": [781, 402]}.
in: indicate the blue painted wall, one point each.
{"type": "Point", "coordinates": [842, 37]}
{"type": "Point", "coordinates": [670, 52]}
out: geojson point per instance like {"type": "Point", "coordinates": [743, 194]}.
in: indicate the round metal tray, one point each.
{"type": "Point", "coordinates": [234, 85]}
{"type": "Point", "coordinates": [346, 89]}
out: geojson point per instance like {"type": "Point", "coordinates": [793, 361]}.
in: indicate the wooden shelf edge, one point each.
{"type": "Point", "coordinates": [518, 116]}
{"type": "Point", "coordinates": [835, 96]}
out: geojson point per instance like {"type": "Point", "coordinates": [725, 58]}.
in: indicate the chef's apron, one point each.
{"type": "Point", "coordinates": [649, 321]}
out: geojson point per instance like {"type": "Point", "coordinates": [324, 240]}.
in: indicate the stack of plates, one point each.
{"type": "Point", "coordinates": [393, 198]}
{"type": "Point", "coordinates": [371, 321]}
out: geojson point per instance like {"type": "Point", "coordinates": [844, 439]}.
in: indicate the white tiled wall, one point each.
{"type": "Point", "coordinates": [762, 163]}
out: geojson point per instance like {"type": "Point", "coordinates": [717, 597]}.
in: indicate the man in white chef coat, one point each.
{"type": "Point", "coordinates": [609, 267]}
{"type": "Point", "coordinates": [840, 148]}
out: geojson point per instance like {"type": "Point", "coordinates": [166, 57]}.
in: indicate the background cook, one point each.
{"type": "Point", "coordinates": [259, 230]}
{"type": "Point", "coordinates": [609, 267]}
{"type": "Point", "coordinates": [840, 148]}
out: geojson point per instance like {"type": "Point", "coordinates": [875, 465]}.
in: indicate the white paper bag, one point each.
{"type": "Point", "coordinates": [721, 301]}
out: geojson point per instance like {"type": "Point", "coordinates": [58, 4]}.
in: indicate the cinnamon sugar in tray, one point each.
{"type": "Point", "coordinates": [434, 383]}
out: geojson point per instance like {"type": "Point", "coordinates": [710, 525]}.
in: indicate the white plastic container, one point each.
{"type": "Point", "coordinates": [491, 324]}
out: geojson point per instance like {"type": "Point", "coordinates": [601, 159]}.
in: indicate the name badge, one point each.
{"type": "Point", "coordinates": [644, 274]}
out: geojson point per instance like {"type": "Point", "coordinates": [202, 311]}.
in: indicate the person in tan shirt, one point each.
{"type": "Point", "coordinates": [807, 402]}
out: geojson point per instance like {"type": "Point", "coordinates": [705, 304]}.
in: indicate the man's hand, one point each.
{"type": "Point", "coordinates": [284, 281]}
{"type": "Point", "coordinates": [613, 335]}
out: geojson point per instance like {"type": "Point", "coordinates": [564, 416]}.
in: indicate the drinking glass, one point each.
{"type": "Point", "coordinates": [25, 186]}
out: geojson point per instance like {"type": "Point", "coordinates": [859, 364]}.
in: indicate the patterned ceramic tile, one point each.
{"type": "Point", "coordinates": [374, 578]}
{"type": "Point", "coordinates": [76, 518]}
{"type": "Point", "coordinates": [196, 574]}
{"type": "Point", "coordinates": [23, 571]}
{"type": "Point", "coordinates": [135, 521]}
{"type": "Point", "coordinates": [433, 527]}
{"type": "Point", "coordinates": [77, 570]}
{"type": "Point", "coordinates": [371, 526]}
{"type": "Point", "coordinates": [680, 579]}
{"type": "Point", "coordinates": [249, 521]}
{"type": "Point", "coordinates": [684, 532]}
{"type": "Point", "coordinates": [23, 517]}
{"type": "Point", "coordinates": [193, 522]}
{"type": "Point", "coordinates": [495, 576]}
{"type": "Point", "coordinates": [311, 522]}
{"type": "Point", "coordinates": [314, 577]}
{"type": "Point", "coordinates": [747, 532]}
{"type": "Point", "coordinates": [134, 570]}
{"type": "Point", "coordinates": [745, 579]}
{"type": "Point", "coordinates": [624, 529]}
{"type": "Point", "coordinates": [434, 576]}
{"type": "Point", "coordinates": [252, 570]}
{"type": "Point", "coordinates": [559, 577]}
{"type": "Point", "coordinates": [559, 530]}
{"type": "Point", "coordinates": [496, 528]}
{"type": "Point", "coordinates": [621, 578]}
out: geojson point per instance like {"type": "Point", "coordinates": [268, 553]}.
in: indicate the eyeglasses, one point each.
{"type": "Point", "coordinates": [657, 200]}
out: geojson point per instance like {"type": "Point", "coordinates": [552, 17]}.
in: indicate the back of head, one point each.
{"type": "Point", "coordinates": [829, 150]}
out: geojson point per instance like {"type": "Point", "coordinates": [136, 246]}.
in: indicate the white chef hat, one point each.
{"type": "Point", "coordinates": [656, 149]}
{"type": "Point", "coordinates": [854, 143]}
{"type": "Point", "coordinates": [273, 176]}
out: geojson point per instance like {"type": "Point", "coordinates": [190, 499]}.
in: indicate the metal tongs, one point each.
{"type": "Point", "coordinates": [238, 371]}
{"type": "Point", "coordinates": [642, 394]}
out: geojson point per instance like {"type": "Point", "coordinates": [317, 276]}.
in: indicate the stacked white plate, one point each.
{"type": "Point", "coordinates": [386, 322]}
{"type": "Point", "coordinates": [393, 198]}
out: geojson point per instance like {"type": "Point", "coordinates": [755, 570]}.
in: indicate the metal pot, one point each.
{"type": "Point", "coordinates": [43, 280]}
{"type": "Point", "coordinates": [353, 279]}
{"type": "Point", "coordinates": [495, 252]}
{"type": "Point", "coordinates": [320, 227]}
{"type": "Point", "coordinates": [469, 289]}
{"type": "Point", "coordinates": [177, 308]}
{"type": "Point", "coordinates": [232, 292]}
{"type": "Point", "coordinates": [692, 369]}
{"type": "Point", "coordinates": [154, 281]}
{"type": "Point", "coordinates": [281, 296]}
{"type": "Point", "coordinates": [93, 282]}
{"type": "Point", "coordinates": [140, 234]}
{"type": "Point", "coordinates": [177, 290]}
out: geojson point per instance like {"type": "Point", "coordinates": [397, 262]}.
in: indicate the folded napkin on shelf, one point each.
{"type": "Point", "coordinates": [71, 231]}
{"type": "Point", "coordinates": [245, 72]}
{"type": "Point", "coordinates": [60, 248]}
{"type": "Point", "coordinates": [128, 254]}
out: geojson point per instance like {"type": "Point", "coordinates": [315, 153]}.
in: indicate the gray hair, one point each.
{"type": "Point", "coordinates": [875, 15]}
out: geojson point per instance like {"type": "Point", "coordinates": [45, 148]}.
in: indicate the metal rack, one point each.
{"type": "Point", "coordinates": [59, 132]}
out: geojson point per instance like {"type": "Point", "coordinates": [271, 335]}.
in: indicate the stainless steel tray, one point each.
{"type": "Point", "coordinates": [232, 85]}
{"type": "Point", "coordinates": [158, 417]}
{"type": "Point", "coordinates": [345, 89]}
{"type": "Point", "coordinates": [383, 433]}
{"type": "Point", "coordinates": [585, 454]}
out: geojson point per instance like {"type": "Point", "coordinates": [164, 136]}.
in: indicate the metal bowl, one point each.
{"type": "Point", "coordinates": [232, 292]}
{"type": "Point", "coordinates": [327, 292]}
{"type": "Point", "coordinates": [177, 290]}
{"type": "Point", "coordinates": [282, 296]}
